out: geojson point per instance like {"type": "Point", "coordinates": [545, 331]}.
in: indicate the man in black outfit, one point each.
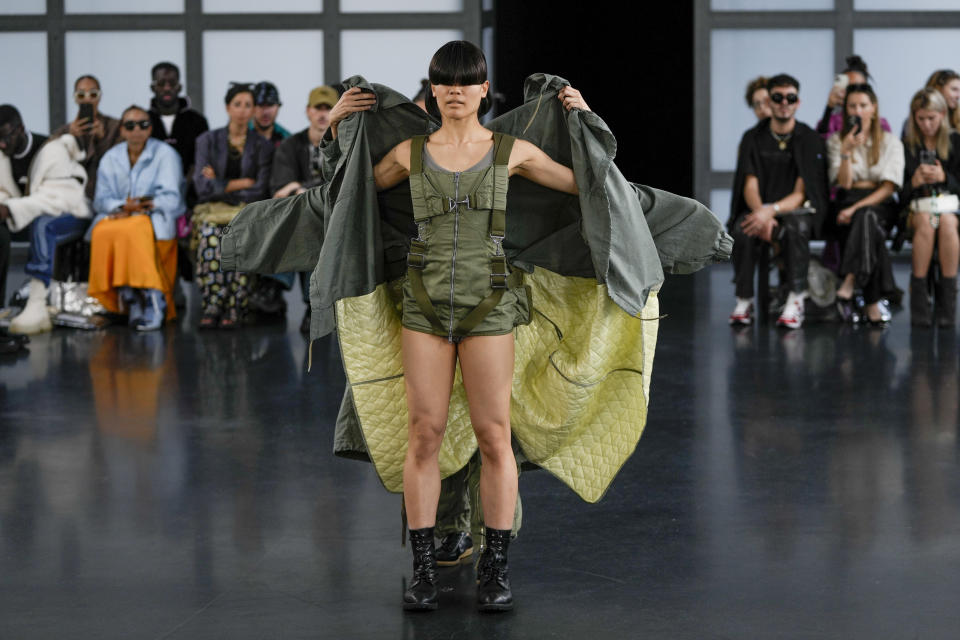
{"type": "Point", "coordinates": [781, 166]}
{"type": "Point", "coordinates": [173, 120]}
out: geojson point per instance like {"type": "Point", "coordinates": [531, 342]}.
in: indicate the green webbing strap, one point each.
{"type": "Point", "coordinates": [416, 154]}
{"type": "Point", "coordinates": [504, 144]}
{"type": "Point", "coordinates": [488, 304]}
{"type": "Point", "coordinates": [423, 300]}
{"type": "Point", "coordinates": [501, 161]}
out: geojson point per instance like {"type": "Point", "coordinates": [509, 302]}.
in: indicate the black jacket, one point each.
{"type": "Point", "coordinates": [810, 156]}
{"type": "Point", "coordinates": [291, 163]}
{"type": "Point", "coordinates": [951, 168]}
{"type": "Point", "coordinates": [187, 127]}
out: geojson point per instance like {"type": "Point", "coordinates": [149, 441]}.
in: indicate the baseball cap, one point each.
{"type": "Point", "coordinates": [323, 95]}
{"type": "Point", "coordinates": [266, 93]}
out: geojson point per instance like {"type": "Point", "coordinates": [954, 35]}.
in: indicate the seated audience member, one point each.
{"type": "Point", "coordinates": [95, 136]}
{"type": "Point", "coordinates": [866, 165]}
{"type": "Point", "coordinates": [266, 106]}
{"type": "Point", "coordinates": [232, 169]}
{"type": "Point", "coordinates": [133, 247]}
{"type": "Point", "coordinates": [931, 184]}
{"type": "Point", "coordinates": [758, 97]}
{"type": "Point", "coordinates": [832, 120]}
{"type": "Point", "coordinates": [171, 117]}
{"type": "Point", "coordinates": [947, 82]}
{"type": "Point", "coordinates": [266, 295]}
{"type": "Point", "coordinates": [296, 165]}
{"type": "Point", "coordinates": [781, 165]}
{"type": "Point", "coordinates": [41, 191]}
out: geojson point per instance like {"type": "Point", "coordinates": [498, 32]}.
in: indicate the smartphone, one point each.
{"type": "Point", "coordinates": [854, 123]}
{"type": "Point", "coordinates": [86, 111]}
{"type": "Point", "coordinates": [841, 81]}
{"type": "Point", "coordinates": [928, 156]}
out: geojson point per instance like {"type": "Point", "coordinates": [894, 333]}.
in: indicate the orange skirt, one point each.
{"type": "Point", "coordinates": [124, 253]}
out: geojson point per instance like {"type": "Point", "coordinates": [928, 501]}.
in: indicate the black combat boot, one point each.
{"type": "Point", "coordinates": [920, 312]}
{"type": "Point", "coordinates": [946, 304]}
{"type": "Point", "coordinates": [421, 594]}
{"type": "Point", "coordinates": [493, 581]}
{"type": "Point", "coordinates": [455, 548]}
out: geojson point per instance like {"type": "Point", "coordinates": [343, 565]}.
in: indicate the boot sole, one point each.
{"type": "Point", "coordinates": [494, 608]}
{"type": "Point", "coordinates": [414, 606]}
{"type": "Point", "coordinates": [463, 559]}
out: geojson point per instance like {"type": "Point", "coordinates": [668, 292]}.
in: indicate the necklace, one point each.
{"type": "Point", "coordinates": [782, 139]}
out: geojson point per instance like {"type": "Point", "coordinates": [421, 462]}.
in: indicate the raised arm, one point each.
{"type": "Point", "coordinates": [529, 161]}
{"type": "Point", "coordinates": [394, 167]}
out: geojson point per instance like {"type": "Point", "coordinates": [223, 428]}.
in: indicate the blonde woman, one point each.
{"type": "Point", "coordinates": [931, 184]}
{"type": "Point", "coordinates": [947, 82]}
{"type": "Point", "coordinates": [866, 166]}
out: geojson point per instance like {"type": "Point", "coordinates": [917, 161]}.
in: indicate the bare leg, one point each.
{"type": "Point", "coordinates": [922, 244]}
{"type": "Point", "coordinates": [487, 366]}
{"type": "Point", "coordinates": [428, 368]}
{"type": "Point", "coordinates": [949, 245]}
{"type": "Point", "coordinates": [846, 287]}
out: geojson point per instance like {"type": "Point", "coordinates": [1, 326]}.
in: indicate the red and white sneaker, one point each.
{"type": "Point", "coordinates": [792, 315]}
{"type": "Point", "coordinates": [742, 313]}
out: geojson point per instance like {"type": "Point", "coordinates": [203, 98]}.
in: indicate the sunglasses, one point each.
{"type": "Point", "coordinates": [130, 125]}
{"type": "Point", "coordinates": [80, 94]}
{"type": "Point", "coordinates": [778, 97]}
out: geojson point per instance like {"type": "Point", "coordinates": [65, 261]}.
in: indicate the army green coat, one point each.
{"type": "Point", "coordinates": [597, 259]}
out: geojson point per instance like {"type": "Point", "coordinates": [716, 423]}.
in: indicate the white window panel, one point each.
{"type": "Point", "coordinates": [123, 6]}
{"type": "Point", "coordinates": [121, 61]}
{"type": "Point", "coordinates": [258, 6]}
{"type": "Point", "coordinates": [739, 55]}
{"type": "Point", "coordinates": [25, 83]}
{"type": "Point", "coordinates": [720, 203]}
{"type": "Point", "coordinates": [898, 74]}
{"type": "Point", "coordinates": [771, 5]}
{"type": "Point", "coordinates": [408, 6]}
{"type": "Point", "coordinates": [23, 7]}
{"type": "Point", "coordinates": [900, 5]}
{"type": "Point", "coordinates": [394, 57]}
{"type": "Point", "coordinates": [292, 60]}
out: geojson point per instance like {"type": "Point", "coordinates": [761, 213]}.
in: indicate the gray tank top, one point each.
{"type": "Point", "coordinates": [485, 162]}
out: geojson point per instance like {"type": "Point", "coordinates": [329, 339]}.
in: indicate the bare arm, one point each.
{"type": "Point", "coordinates": [394, 167]}
{"type": "Point", "coordinates": [530, 162]}
{"type": "Point", "coordinates": [751, 192]}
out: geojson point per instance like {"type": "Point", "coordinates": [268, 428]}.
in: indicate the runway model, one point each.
{"type": "Point", "coordinates": [547, 301]}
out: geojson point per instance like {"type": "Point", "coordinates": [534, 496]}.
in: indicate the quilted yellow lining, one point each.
{"type": "Point", "coordinates": [580, 389]}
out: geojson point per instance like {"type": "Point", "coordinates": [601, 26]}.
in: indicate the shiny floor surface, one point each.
{"type": "Point", "coordinates": [181, 485]}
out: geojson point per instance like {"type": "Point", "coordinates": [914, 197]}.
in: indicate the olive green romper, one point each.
{"type": "Point", "coordinates": [458, 281]}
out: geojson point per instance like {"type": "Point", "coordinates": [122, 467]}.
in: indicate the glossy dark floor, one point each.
{"type": "Point", "coordinates": [181, 485]}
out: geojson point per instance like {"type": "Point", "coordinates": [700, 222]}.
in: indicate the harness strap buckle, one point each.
{"type": "Point", "coordinates": [454, 203]}
{"type": "Point", "coordinates": [498, 280]}
{"type": "Point", "coordinates": [416, 260]}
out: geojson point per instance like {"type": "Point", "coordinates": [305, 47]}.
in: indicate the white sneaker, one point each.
{"type": "Point", "coordinates": [792, 315]}
{"type": "Point", "coordinates": [743, 312]}
{"type": "Point", "coordinates": [35, 318]}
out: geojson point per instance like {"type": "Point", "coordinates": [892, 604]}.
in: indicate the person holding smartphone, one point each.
{"type": "Point", "coordinates": [133, 247]}
{"type": "Point", "coordinates": [866, 166]}
{"type": "Point", "coordinates": [95, 131]}
{"type": "Point", "coordinates": [931, 184]}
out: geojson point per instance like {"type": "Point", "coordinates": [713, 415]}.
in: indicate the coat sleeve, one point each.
{"type": "Point", "coordinates": [168, 202]}
{"type": "Point", "coordinates": [207, 190]}
{"type": "Point", "coordinates": [258, 191]}
{"type": "Point", "coordinates": [275, 236]}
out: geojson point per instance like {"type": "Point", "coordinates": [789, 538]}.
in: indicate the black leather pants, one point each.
{"type": "Point", "coordinates": [793, 237]}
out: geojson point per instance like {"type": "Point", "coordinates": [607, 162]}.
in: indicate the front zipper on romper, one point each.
{"type": "Point", "coordinates": [456, 235]}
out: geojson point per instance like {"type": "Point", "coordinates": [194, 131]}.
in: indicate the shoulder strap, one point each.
{"type": "Point", "coordinates": [416, 154]}
{"type": "Point", "coordinates": [504, 145]}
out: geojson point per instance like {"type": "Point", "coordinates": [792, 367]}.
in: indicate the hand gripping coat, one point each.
{"type": "Point", "coordinates": [593, 262]}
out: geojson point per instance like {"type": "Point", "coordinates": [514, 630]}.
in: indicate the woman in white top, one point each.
{"type": "Point", "coordinates": [866, 166]}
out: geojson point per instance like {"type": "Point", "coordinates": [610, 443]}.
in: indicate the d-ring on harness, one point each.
{"type": "Point", "coordinates": [427, 205]}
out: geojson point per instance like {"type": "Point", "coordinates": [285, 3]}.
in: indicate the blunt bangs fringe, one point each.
{"type": "Point", "coordinates": [458, 63]}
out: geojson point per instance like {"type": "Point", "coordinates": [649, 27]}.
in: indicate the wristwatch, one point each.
{"type": "Point", "coordinates": [776, 207]}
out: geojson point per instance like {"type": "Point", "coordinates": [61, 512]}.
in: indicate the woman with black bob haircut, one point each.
{"type": "Point", "coordinates": [449, 313]}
